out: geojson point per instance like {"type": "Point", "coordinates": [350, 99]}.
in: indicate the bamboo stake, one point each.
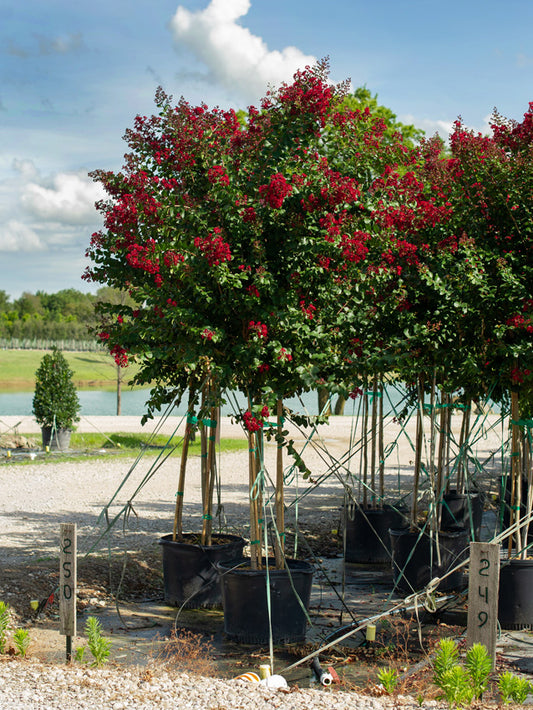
{"type": "Point", "coordinates": [515, 471]}
{"type": "Point", "coordinates": [443, 434]}
{"type": "Point", "coordinates": [177, 531]}
{"type": "Point", "coordinates": [364, 452]}
{"type": "Point", "coordinates": [529, 502]}
{"type": "Point", "coordinates": [381, 448]}
{"type": "Point", "coordinates": [210, 482]}
{"type": "Point", "coordinates": [433, 432]}
{"type": "Point", "coordinates": [255, 537]}
{"type": "Point", "coordinates": [418, 451]}
{"type": "Point", "coordinates": [373, 442]}
{"type": "Point", "coordinates": [280, 501]}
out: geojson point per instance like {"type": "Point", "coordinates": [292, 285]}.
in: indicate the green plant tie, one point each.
{"type": "Point", "coordinates": [523, 422]}
{"type": "Point", "coordinates": [255, 542]}
{"type": "Point", "coordinates": [191, 419]}
{"type": "Point", "coordinates": [210, 423]}
{"type": "Point", "coordinates": [207, 517]}
{"type": "Point", "coordinates": [179, 493]}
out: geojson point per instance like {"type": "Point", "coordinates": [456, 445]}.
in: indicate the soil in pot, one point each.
{"type": "Point", "coordinates": [462, 510]}
{"type": "Point", "coordinates": [415, 561]}
{"type": "Point", "coordinates": [515, 601]}
{"type": "Point", "coordinates": [189, 568]}
{"type": "Point", "coordinates": [56, 438]}
{"type": "Point", "coordinates": [245, 594]}
{"type": "Point", "coordinates": [367, 533]}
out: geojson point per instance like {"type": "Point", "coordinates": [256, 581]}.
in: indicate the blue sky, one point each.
{"type": "Point", "coordinates": [74, 75]}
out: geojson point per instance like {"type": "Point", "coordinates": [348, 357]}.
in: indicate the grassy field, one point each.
{"type": "Point", "coordinates": [18, 367]}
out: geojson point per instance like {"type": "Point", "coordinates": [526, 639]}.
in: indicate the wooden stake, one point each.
{"type": "Point", "coordinates": [67, 583]}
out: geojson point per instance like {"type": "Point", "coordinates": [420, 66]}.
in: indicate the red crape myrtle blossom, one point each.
{"type": "Point", "coordinates": [250, 265]}
{"type": "Point", "coordinates": [492, 195]}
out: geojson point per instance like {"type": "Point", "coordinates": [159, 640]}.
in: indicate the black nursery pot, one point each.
{"type": "Point", "coordinates": [515, 602]}
{"type": "Point", "coordinates": [244, 599]}
{"type": "Point", "coordinates": [415, 561]}
{"type": "Point", "coordinates": [189, 568]}
{"type": "Point", "coordinates": [367, 533]}
{"type": "Point", "coordinates": [462, 510]}
{"type": "Point", "coordinates": [56, 438]}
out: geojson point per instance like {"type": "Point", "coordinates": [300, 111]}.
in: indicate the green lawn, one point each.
{"type": "Point", "coordinates": [124, 445]}
{"type": "Point", "coordinates": [18, 367]}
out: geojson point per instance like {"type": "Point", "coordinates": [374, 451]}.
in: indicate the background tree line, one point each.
{"type": "Point", "coordinates": [68, 314]}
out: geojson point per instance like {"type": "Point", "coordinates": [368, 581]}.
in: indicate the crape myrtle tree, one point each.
{"type": "Point", "coordinates": [245, 247]}
{"type": "Point", "coordinates": [493, 219]}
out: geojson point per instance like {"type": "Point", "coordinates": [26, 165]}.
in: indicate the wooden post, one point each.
{"type": "Point", "coordinates": [67, 583]}
{"type": "Point", "coordinates": [483, 584]}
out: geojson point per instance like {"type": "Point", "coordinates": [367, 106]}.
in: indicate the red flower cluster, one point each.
{"type": "Point", "coordinates": [218, 174]}
{"type": "Point", "coordinates": [521, 322]}
{"type": "Point", "coordinates": [276, 191]}
{"type": "Point", "coordinates": [142, 257]}
{"type": "Point", "coordinates": [251, 423]}
{"type": "Point", "coordinates": [259, 328]}
{"type": "Point", "coordinates": [120, 355]}
{"type": "Point", "coordinates": [171, 258]}
{"type": "Point", "coordinates": [308, 310]}
{"type": "Point", "coordinates": [249, 214]}
{"type": "Point", "coordinates": [215, 249]}
{"type": "Point", "coordinates": [309, 94]}
{"type": "Point", "coordinates": [207, 334]}
{"type": "Point", "coordinates": [518, 376]}
{"type": "Point", "coordinates": [354, 247]}
{"type": "Point", "coordinates": [284, 355]}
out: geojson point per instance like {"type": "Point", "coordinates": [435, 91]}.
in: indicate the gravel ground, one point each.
{"type": "Point", "coordinates": [37, 497]}
{"type": "Point", "coordinates": [32, 685]}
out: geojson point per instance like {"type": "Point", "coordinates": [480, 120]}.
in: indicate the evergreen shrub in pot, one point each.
{"type": "Point", "coordinates": [55, 401]}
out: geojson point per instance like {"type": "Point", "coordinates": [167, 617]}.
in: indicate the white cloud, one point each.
{"type": "Point", "coordinates": [234, 56]}
{"type": "Point", "coordinates": [430, 126]}
{"type": "Point", "coordinates": [17, 236]}
{"type": "Point", "coordinates": [69, 200]}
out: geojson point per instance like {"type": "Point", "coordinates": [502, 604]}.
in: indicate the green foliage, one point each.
{"type": "Point", "coordinates": [445, 659]}
{"type": "Point", "coordinates": [79, 655]}
{"type": "Point", "coordinates": [456, 686]}
{"type": "Point", "coordinates": [99, 646]}
{"type": "Point", "coordinates": [460, 685]}
{"type": "Point", "coordinates": [478, 663]}
{"type": "Point", "coordinates": [362, 99]}
{"type": "Point", "coordinates": [21, 639]}
{"type": "Point", "coordinates": [514, 689]}
{"type": "Point", "coordinates": [388, 677]}
{"type": "Point", "coordinates": [55, 402]}
{"type": "Point", "coordinates": [5, 620]}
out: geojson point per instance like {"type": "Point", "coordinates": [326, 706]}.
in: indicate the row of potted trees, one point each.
{"type": "Point", "coordinates": [308, 246]}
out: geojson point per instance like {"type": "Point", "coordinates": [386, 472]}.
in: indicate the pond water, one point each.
{"type": "Point", "coordinates": [101, 403]}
